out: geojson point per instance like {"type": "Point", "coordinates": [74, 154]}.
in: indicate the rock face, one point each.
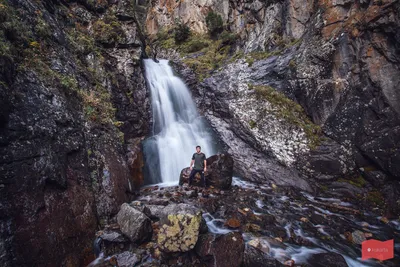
{"type": "Point", "coordinates": [134, 224]}
{"type": "Point", "coordinates": [225, 250]}
{"type": "Point", "coordinates": [179, 228]}
{"type": "Point", "coordinates": [219, 172]}
{"type": "Point", "coordinates": [72, 92]}
{"type": "Point", "coordinates": [259, 24]}
{"type": "Point", "coordinates": [326, 56]}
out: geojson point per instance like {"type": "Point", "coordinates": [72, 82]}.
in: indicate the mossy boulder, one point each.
{"type": "Point", "coordinates": [179, 228]}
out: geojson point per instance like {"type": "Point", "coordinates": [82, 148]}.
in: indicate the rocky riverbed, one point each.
{"type": "Point", "coordinates": [246, 225]}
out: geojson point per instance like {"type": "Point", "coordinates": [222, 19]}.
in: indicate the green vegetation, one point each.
{"type": "Point", "coordinates": [97, 105]}
{"type": "Point", "coordinates": [81, 41]}
{"type": "Point", "coordinates": [252, 124]}
{"type": "Point", "coordinates": [280, 43]}
{"type": "Point", "coordinates": [182, 33]}
{"type": "Point", "coordinates": [228, 38]}
{"type": "Point", "coordinates": [200, 52]}
{"type": "Point", "coordinates": [108, 30]}
{"type": "Point", "coordinates": [14, 35]}
{"type": "Point", "coordinates": [290, 111]}
{"type": "Point", "coordinates": [214, 23]}
{"type": "Point", "coordinates": [376, 198]}
{"type": "Point", "coordinates": [211, 57]}
{"type": "Point", "coordinates": [358, 181]}
{"type": "Point", "coordinates": [26, 40]}
{"type": "Point", "coordinates": [68, 82]}
{"type": "Point", "coordinates": [324, 188]}
{"type": "Point", "coordinates": [42, 29]}
{"type": "Point", "coordinates": [292, 64]}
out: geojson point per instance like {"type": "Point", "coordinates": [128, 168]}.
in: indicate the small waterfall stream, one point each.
{"type": "Point", "coordinates": [177, 126]}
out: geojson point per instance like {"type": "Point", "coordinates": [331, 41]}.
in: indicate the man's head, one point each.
{"type": "Point", "coordinates": [198, 149]}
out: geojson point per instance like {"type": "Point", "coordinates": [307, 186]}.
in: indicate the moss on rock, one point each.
{"type": "Point", "coordinates": [290, 111]}
{"type": "Point", "coordinates": [180, 233]}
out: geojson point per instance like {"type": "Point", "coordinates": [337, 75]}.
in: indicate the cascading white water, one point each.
{"type": "Point", "coordinates": [177, 126]}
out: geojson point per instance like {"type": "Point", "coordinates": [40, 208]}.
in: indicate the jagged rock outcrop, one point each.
{"type": "Point", "coordinates": [73, 92]}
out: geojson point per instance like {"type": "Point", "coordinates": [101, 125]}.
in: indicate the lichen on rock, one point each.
{"type": "Point", "coordinates": [179, 232]}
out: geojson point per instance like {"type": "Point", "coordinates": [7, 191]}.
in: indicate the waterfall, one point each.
{"type": "Point", "coordinates": [177, 126]}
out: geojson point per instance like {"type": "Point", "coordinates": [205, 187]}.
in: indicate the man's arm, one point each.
{"type": "Point", "coordinates": [192, 162]}
{"type": "Point", "coordinates": [205, 163]}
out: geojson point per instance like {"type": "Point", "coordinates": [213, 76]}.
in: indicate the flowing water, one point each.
{"type": "Point", "coordinates": [177, 126]}
{"type": "Point", "coordinates": [303, 224]}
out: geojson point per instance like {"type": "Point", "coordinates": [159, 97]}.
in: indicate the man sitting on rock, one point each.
{"type": "Point", "coordinates": [200, 165]}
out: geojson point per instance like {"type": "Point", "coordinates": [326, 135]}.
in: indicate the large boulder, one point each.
{"type": "Point", "coordinates": [219, 172]}
{"type": "Point", "coordinates": [180, 226]}
{"type": "Point", "coordinates": [223, 250]}
{"type": "Point", "coordinates": [134, 224]}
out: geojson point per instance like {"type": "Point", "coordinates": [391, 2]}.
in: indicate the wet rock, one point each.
{"type": "Point", "coordinates": [232, 223]}
{"type": "Point", "coordinates": [113, 236]}
{"type": "Point", "coordinates": [224, 250]}
{"type": "Point", "coordinates": [140, 206]}
{"type": "Point", "coordinates": [110, 242]}
{"type": "Point", "coordinates": [259, 244]}
{"type": "Point", "coordinates": [345, 189]}
{"type": "Point", "coordinates": [219, 172]}
{"type": "Point", "coordinates": [330, 259]}
{"type": "Point", "coordinates": [254, 257]}
{"type": "Point", "coordinates": [191, 193]}
{"type": "Point", "coordinates": [328, 161]}
{"type": "Point", "coordinates": [391, 191]}
{"type": "Point", "coordinates": [180, 226]}
{"type": "Point", "coordinates": [134, 224]}
{"type": "Point", "coordinates": [102, 262]}
{"type": "Point", "coordinates": [358, 237]}
{"type": "Point", "coordinates": [127, 259]}
{"type": "Point", "coordinates": [375, 177]}
{"type": "Point", "coordinates": [251, 227]}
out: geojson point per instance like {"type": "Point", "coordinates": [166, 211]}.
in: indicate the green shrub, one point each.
{"type": "Point", "coordinates": [108, 30]}
{"type": "Point", "coordinates": [194, 46]}
{"type": "Point", "coordinates": [227, 38]}
{"type": "Point", "coordinates": [182, 33]}
{"type": "Point", "coordinates": [214, 23]}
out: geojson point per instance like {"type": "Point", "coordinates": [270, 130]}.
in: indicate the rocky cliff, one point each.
{"type": "Point", "coordinates": [302, 93]}
{"type": "Point", "coordinates": [74, 108]}
{"type": "Point", "coordinates": [338, 60]}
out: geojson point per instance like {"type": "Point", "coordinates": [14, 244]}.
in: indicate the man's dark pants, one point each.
{"type": "Point", "coordinates": [193, 173]}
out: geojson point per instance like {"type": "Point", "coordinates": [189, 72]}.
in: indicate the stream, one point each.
{"type": "Point", "coordinates": [303, 224]}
